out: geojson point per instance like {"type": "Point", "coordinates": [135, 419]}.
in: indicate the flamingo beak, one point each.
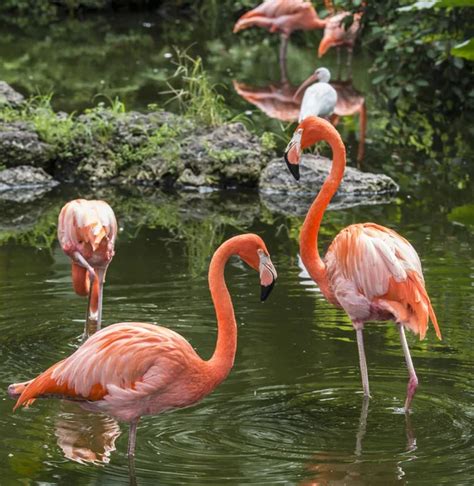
{"type": "Point", "coordinates": [308, 82]}
{"type": "Point", "coordinates": [293, 154]}
{"type": "Point", "coordinates": [268, 275]}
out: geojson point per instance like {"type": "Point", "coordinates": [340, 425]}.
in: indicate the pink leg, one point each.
{"type": "Point", "coordinates": [132, 438]}
{"type": "Point", "coordinates": [359, 327]}
{"type": "Point", "coordinates": [413, 381]}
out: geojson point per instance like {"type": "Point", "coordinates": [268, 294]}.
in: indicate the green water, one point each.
{"type": "Point", "coordinates": [291, 411]}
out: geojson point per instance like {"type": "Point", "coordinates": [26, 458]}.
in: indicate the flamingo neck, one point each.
{"type": "Point", "coordinates": [222, 360]}
{"type": "Point", "coordinates": [309, 233]}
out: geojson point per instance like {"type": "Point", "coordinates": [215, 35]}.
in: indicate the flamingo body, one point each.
{"type": "Point", "coordinates": [136, 369]}
{"type": "Point", "coordinates": [375, 274]}
{"type": "Point", "coordinates": [281, 16]}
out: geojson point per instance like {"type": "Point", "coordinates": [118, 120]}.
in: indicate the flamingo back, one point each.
{"type": "Point", "coordinates": [384, 270]}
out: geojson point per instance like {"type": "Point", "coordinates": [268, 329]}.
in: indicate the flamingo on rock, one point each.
{"type": "Point", "coordinates": [87, 231]}
{"type": "Point", "coordinates": [283, 17]}
{"type": "Point", "coordinates": [370, 271]}
{"type": "Point", "coordinates": [319, 97]}
{"type": "Point", "coordinates": [135, 369]}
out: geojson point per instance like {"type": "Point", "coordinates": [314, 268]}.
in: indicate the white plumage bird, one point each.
{"type": "Point", "coordinates": [319, 98]}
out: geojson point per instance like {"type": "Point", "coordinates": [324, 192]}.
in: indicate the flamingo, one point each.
{"type": "Point", "coordinates": [87, 231]}
{"type": "Point", "coordinates": [320, 98]}
{"type": "Point", "coordinates": [370, 271]}
{"type": "Point", "coordinates": [283, 17]}
{"type": "Point", "coordinates": [135, 369]}
{"type": "Point", "coordinates": [336, 35]}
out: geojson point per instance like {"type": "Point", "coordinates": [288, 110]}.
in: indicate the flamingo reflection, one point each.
{"type": "Point", "coordinates": [85, 437]}
{"type": "Point", "coordinates": [339, 469]}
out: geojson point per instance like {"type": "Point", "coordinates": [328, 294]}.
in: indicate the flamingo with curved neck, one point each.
{"type": "Point", "coordinates": [136, 369]}
{"type": "Point", "coordinates": [370, 271]}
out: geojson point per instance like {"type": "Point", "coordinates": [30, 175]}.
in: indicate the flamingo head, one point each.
{"type": "Point", "coordinates": [255, 254]}
{"type": "Point", "coordinates": [310, 131]}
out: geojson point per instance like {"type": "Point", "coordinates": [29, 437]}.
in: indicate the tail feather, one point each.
{"type": "Point", "coordinates": [16, 389]}
{"type": "Point", "coordinates": [408, 301]}
{"type": "Point", "coordinates": [44, 384]}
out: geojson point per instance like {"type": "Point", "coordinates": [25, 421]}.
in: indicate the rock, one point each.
{"type": "Point", "coordinates": [20, 145]}
{"type": "Point", "coordinates": [25, 183]}
{"type": "Point", "coordinates": [280, 192]}
{"type": "Point", "coordinates": [9, 96]}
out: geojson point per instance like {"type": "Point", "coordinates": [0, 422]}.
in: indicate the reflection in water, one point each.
{"type": "Point", "coordinates": [85, 437]}
{"type": "Point", "coordinates": [338, 469]}
{"type": "Point", "coordinates": [282, 101]}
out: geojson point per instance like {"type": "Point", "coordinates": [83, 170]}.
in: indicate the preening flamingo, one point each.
{"type": "Point", "coordinates": [370, 271]}
{"type": "Point", "coordinates": [87, 231]}
{"type": "Point", "coordinates": [136, 369]}
{"type": "Point", "coordinates": [319, 97]}
{"type": "Point", "coordinates": [283, 17]}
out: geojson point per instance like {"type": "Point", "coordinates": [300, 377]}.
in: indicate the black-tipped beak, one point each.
{"type": "Point", "coordinates": [266, 291]}
{"type": "Point", "coordinates": [293, 168]}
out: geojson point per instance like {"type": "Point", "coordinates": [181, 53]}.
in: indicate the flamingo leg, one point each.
{"type": "Point", "coordinates": [100, 278]}
{"type": "Point", "coordinates": [91, 324]}
{"type": "Point", "coordinates": [349, 63]}
{"type": "Point", "coordinates": [132, 439]}
{"type": "Point", "coordinates": [413, 381]}
{"type": "Point", "coordinates": [283, 51]}
{"type": "Point", "coordinates": [359, 327]}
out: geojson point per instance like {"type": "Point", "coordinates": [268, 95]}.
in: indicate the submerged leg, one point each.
{"type": "Point", "coordinates": [362, 425]}
{"type": "Point", "coordinates": [359, 327]}
{"type": "Point", "coordinates": [283, 51]}
{"type": "Point", "coordinates": [413, 381]}
{"type": "Point", "coordinates": [132, 438]}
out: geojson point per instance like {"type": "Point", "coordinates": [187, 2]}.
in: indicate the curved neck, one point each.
{"type": "Point", "coordinates": [222, 360]}
{"type": "Point", "coordinates": [310, 230]}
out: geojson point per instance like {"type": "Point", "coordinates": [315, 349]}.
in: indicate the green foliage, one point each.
{"type": "Point", "coordinates": [465, 50]}
{"type": "Point", "coordinates": [198, 98]}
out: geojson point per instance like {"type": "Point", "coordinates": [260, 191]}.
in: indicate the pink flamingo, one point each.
{"type": "Point", "coordinates": [283, 17]}
{"type": "Point", "coordinates": [336, 34]}
{"type": "Point", "coordinates": [369, 270]}
{"type": "Point", "coordinates": [87, 231]}
{"type": "Point", "coordinates": [136, 369]}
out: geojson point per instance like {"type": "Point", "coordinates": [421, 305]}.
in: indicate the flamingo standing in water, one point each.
{"type": "Point", "coordinates": [136, 369]}
{"type": "Point", "coordinates": [283, 17]}
{"type": "Point", "coordinates": [369, 270]}
{"type": "Point", "coordinates": [87, 231]}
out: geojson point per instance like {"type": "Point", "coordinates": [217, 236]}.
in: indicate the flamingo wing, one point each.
{"type": "Point", "coordinates": [123, 361]}
{"type": "Point", "coordinates": [373, 264]}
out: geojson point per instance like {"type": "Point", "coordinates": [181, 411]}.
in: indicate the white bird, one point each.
{"type": "Point", "coordinates": [319, 98]}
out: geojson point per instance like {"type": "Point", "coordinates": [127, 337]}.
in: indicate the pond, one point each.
{"type": "Point", "coordinates": [291, 411]}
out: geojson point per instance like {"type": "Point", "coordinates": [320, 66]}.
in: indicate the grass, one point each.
{"type": "Point", "coordinates": [199, 98]}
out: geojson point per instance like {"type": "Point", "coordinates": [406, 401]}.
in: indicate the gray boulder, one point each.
{"type": "Point", "coordinates": [20, 145]}
{"type": "Point", "coordinates": [9, 96]}
{"type": "Point", "coordinates": [280, 192]}
{"type": "Point", "coordinates": [24, 183]}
